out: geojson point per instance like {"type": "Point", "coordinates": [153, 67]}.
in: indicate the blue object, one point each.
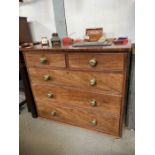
{"type": "Point", "coordinates": [122, 38]}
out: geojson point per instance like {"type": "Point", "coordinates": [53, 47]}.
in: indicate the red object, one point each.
{"type": "Point", "coordinates": [121, 42]}
{"type": "Point", "coordinates": [67, 41]}
{"type": "Point", "coordinates": [77, 40]}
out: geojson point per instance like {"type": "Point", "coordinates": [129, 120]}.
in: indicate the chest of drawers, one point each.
{"type": "Point", "coordinates": [84, 87]}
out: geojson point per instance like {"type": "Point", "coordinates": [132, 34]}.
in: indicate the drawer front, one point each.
{"type": "Point", "coordinates": [93, 81]}
{"type": "Point", "coordinates": [69, 97]}
{"type": "Point", "coordinates": [95, 120]}
{"type": "Point", "coordinates": [44, 59]}
{"type": "Point", "coordinates": [94, 61]}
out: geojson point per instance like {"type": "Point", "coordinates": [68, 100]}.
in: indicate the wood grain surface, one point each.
{"type": "Point", "coordinates": [81, 117]}
{"type": "Point", "coordinates": [108, 61]}
{"type": "Point", "coordinates": [70, 77]}
{"type": "Point", "coordinates": [93, 49]}
{"type": "Point", "coordinates": [52, 59]}
{"type": "Point", "coordinates": [105, 82]}
{"type": "Point", "coordinates": [73, 97]}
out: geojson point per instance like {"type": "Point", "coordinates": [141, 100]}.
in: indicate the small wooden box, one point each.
{"type": "Point", "coordinates": [94, 33]}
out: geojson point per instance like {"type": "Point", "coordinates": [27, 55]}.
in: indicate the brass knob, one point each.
{"type": "Point", "coordinates": [93, 102]}
{"type": "Point", "coordinates": [93, 82]}
{"type": "Point", "coordinates": [50, 95]}
{"type": "Point", "coordinates": [43, 60]}
{"type": "Point", "coordinates": [94, 122]}
{"type": "Point", "coordinates": [46, 77]}
{"type": "Point", "coordinates": [53, 113]}
{"type": "Point", "coordinates": [93, 62]}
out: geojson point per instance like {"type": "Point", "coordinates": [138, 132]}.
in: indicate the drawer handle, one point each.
{"type": "Point", "coordinates": [94, 122]}
{"type": "Point", "coordinates": [43, 60]}
{"type": "Point", "coordinates": [93, 103]}
{"type": "Point", "coordinates": [93, 82]}
{"type": "Point", "coordinates": [50, 95]}
{"type": "Point", "coordinates": [53, 113]}
{"type": "Point", "coordinates": [46, 77]}
{"type": "Point", "coordinates": [93, 62]}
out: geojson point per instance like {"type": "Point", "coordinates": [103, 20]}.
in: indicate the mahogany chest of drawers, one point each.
{"type": "Point", "coordinates": [84, 87]}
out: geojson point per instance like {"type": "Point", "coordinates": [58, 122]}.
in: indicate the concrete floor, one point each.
{"type": "Point", "coordinates": [44, 137]}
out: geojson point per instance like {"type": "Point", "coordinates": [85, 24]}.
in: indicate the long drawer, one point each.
{"type": "Point", "coordinates": [94, 120]}
{"type": "Point", "coordinates": [72, 97]}
{"type": "Point", "coordinates": [93, 81]}
{"type": "Point", "coordinates": [96, 61]}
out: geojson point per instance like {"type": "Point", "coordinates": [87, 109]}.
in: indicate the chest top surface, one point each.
{"type": "Point", "coordinates": [112, 48]}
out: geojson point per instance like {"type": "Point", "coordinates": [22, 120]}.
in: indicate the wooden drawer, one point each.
{"type": "Point", "coordinates": [81, 117]}
{"type": "Point", "coordinates": [45, 59]}
{"type": "Point", "coordinates": [94, 61]}
{"type": "Point", "coordinates": [72, 97]}
{"type": "Point", "coordinates": [105, 82]}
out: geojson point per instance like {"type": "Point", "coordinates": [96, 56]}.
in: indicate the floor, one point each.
{"type": "Point", "coordinates": [44, 137]}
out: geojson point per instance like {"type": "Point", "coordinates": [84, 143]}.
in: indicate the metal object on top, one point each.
{"type": "Point", "coordinates": [55, 40]}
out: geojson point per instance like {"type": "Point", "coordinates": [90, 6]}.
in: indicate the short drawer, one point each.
{"type": "Point", "coordinates": [96, 61]}
{"type": "Point", "coordinates": [45, 59]}
{"type": "Point", "coordinates": [95, 120]}
{"type": "Point", "coordinates": [72, 97]}
{"type": "Point", "coordinates": [93, 81]}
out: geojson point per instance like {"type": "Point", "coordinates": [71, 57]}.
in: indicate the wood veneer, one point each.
{"type": "Point", "coordinates": [73, 97]}
{"type": "Point", "coordinates": [70, 74]}
{"type": "Point", "coordinates": [52, 60]}
{"type": "Point", "coordinates": [108, 61]}
{"type": "Point", "coordinates": [79, 117]}
{"type": "Point", "coordinates": [105, 82]}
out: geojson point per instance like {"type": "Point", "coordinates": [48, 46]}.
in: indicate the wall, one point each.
{"type": "Point", "coordinates": [40, 17]}
{"type": "Point", "coordinates": [115, 16]}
